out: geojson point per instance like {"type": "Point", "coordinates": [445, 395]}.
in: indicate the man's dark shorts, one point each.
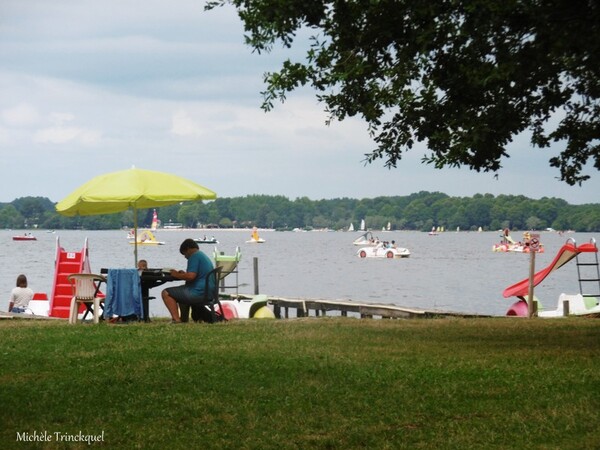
{"type": "Point", "coordinates": [183, 294]}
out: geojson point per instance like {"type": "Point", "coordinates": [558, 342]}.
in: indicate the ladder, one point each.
{"type": "Point", "coordinates": [588, 273]}
{"type": "Point", "coordinates": [229, 265]}
{"type": "Point", "coordinates": [66, 263]}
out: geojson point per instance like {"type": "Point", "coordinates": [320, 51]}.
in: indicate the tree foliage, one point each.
{"type": "Point", "coordinates": [462, 76]}
{"type": "Point", "coordinates": [418, 211]}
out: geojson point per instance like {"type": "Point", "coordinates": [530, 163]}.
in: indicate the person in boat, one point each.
{"type": "Point", "coordinates": [142, 264]}
{"type": "Point", "coordinates": [20, 296]}
{"type": "Point", "coordinates": [526, 239]}
{"type": "Point", "coordinates": [191, 294]}
{"type": "Point", "coordinates": [506, 239]}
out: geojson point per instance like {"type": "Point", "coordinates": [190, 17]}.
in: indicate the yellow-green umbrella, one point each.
{"type": "Point", "coordinates": [133, 188]}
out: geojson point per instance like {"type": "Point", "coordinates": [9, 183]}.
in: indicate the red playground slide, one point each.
{"type": "Point", "coordinates": [566, 253]}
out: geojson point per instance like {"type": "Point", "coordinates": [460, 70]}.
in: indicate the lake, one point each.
{"type": "Point", "coordinates": [452, 271]}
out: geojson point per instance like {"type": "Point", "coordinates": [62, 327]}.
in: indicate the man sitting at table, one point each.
{"type": "Point", "coordinates": [192, 293]}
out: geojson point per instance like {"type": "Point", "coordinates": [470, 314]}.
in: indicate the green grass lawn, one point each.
{"type": "Point", "coordinates": [322, 383]}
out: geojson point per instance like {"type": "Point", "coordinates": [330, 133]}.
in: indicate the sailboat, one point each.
{"type": "Point", "coordinates": [351, 227]}
{"type": "Point", "coordinates": [154, 225]}
{"type": "Point", "coordinates": [362, 225]}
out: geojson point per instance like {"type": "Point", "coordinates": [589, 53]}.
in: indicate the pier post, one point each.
{"type": "Point", "coordinates": [534, 246]}
{"type": "Point", "coordinates": [530, 294]}
{"type": "Point", "coordinates": [255, 263]}
{"type": "Point", "coordinates": [565, 308]}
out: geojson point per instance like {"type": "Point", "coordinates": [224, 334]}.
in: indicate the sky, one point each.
{"type": "Point", "coordinates": [95, 86]}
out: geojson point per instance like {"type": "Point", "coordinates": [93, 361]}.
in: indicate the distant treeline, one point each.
{"type": "Point", "coordinates": [419, 211]}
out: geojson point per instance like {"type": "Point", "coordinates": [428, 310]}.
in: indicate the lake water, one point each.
{"type": "Point", "coordinates": [451, 271]}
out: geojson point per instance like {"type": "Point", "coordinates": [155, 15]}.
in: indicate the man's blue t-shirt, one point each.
{"type": "Point", "coordinates": [200, 264]}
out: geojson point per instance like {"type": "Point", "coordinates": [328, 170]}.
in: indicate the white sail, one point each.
{"type": "Point", "coordinates": [351, 227]}
{"type": "Point", "coordinates": [362, 225]}
{"type": "Point", "coordinates": [154, 225]}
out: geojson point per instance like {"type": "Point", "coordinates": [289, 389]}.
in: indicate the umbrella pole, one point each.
{"type": "Point", "coordinates": [135, 226]}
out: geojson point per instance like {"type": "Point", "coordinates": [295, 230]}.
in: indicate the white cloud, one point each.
{"type": "Point", "coordinates": [4, 136]}
{"type": "Point", "coordinates": [60, 119]}
{"type": "Point", "coordinates": [62, 135]}
{"type": "Point", "coordinates": [20, 115]}
{"type": "Point", "coordinates": [183, 125]}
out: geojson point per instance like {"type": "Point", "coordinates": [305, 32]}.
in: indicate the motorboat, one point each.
{"type": "Point", "coordinates": [382, 251]}
{"type": "Point", "coordinates": [173, 226]}
{"type": "Point", "coordinates": [24, 237]}
{"type": "Point", "coordinates": [207, 240]}
{"type": "Point", "coordinates": [366, 240]}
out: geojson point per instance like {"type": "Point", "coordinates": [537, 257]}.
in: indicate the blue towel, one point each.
{"type": "Point", "coordinates": [123, 293]}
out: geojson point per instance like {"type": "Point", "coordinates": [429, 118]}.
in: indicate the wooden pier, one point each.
{"type": "Point", "coordinates": [319, 307]}
{"type": "Point", "coordinates": [285, 308]}
{"type": "Point", "coordinates": [302, 307]}
{"type": "Point", "coordinates": [11, 315]}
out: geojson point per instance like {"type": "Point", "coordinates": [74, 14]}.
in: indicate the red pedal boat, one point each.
{"type": "Point", "coordinates": [25, 237]}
